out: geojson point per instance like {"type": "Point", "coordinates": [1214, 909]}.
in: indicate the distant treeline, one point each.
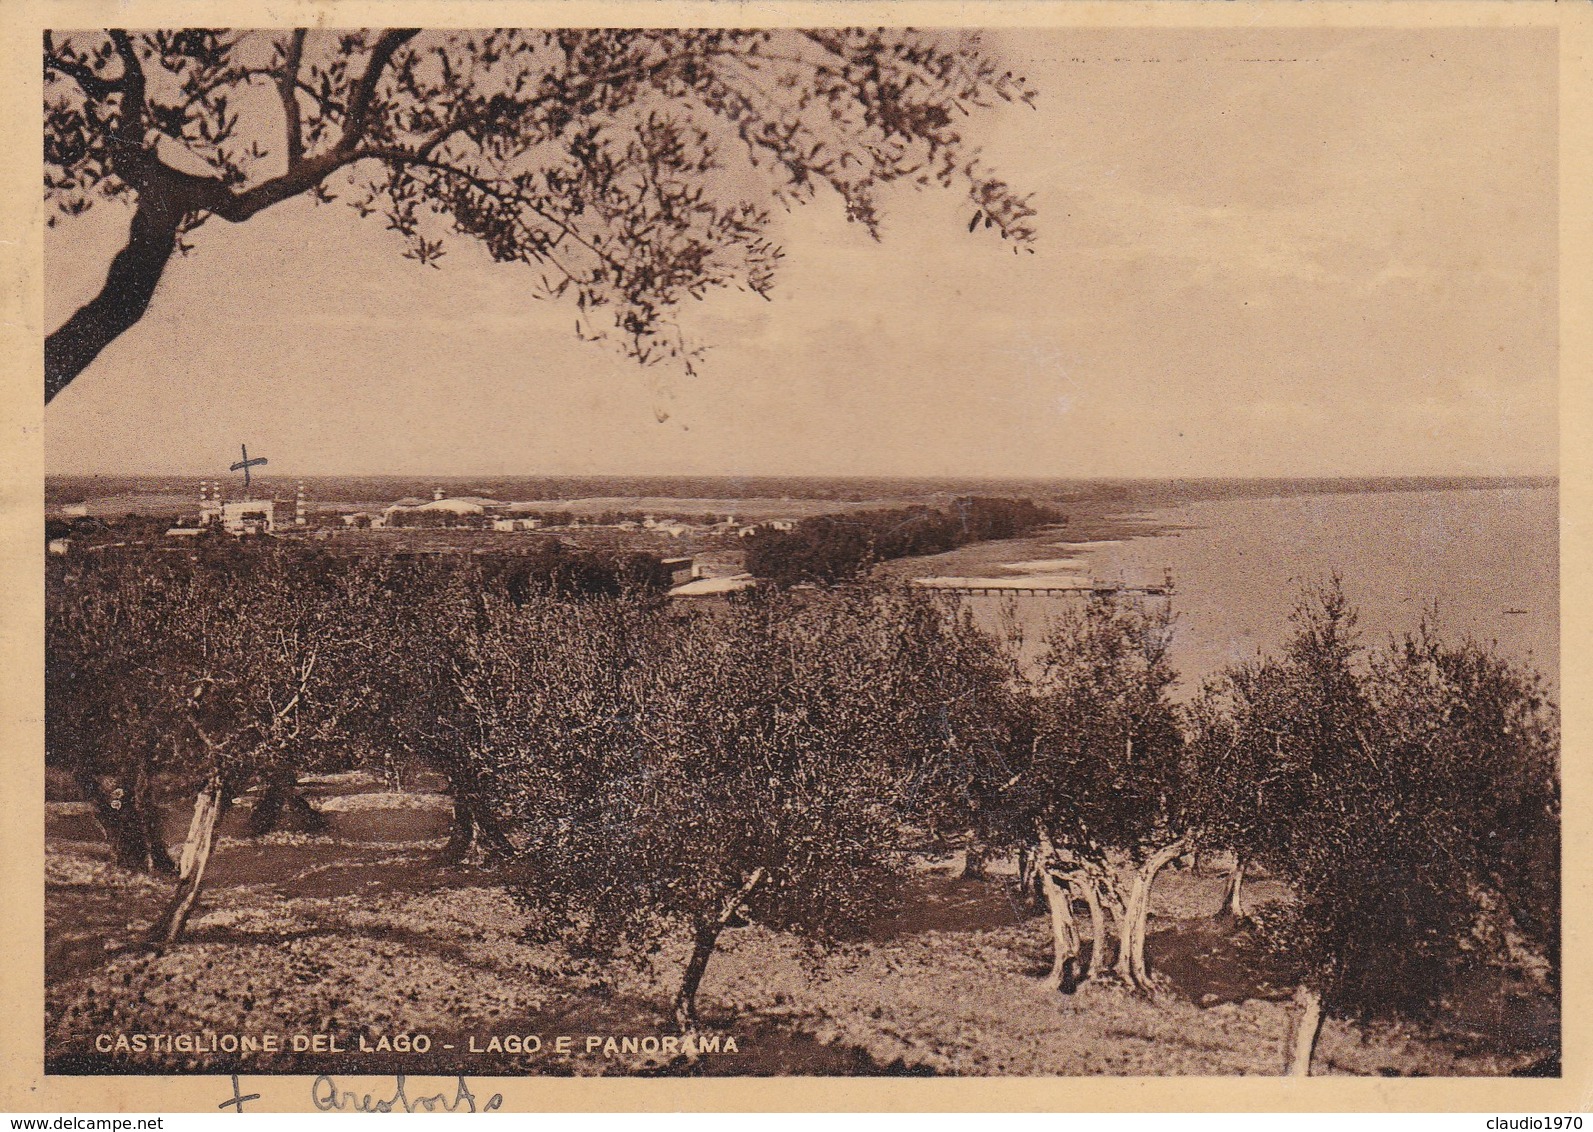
{"type": "Point", "coordinates": [555, 568]}
{"type": "Point", "coordinates": [547, 565]}
{"type": "Point", "coordinates": [543, 565]}
{"type": "Point", "coordinates": [614, 518]}
{"type": "Point", "coordinates": [831, 548]}
{"type": "Point", "coordinates": [431, 519]}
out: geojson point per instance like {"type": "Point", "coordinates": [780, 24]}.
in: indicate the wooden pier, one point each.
{"type": "Point", "coordinates": [1018, 589]}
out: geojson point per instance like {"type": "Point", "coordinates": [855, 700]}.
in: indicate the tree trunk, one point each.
{"type": "Point", "coordinates": [1064, 934]}
{"type": "Point", "coordinates": [973, 863]}
{"type": "Point", "coordinates": [282, 793]}
{"type": "Point", "coordinates": [122, 301]}
{"type": "Point", "coordinates": [705, 936]}
{"type": "Point", "coordinates": [1064, 974]}
{"type": "Point", "coordinates": [1127, 918]}
{"type": "Point", "coordinates": [1134, 928]}
{"type": "Point", "coordinates": [1112, 901]}
{"type": "Point", "coordinates": [1091, 895]}
{"type": "Point", "coordinates": [1307, 1025]}
{"type": "Point", "coordinates": [208, 807]}
{"type": "Point", "coordinates": [1031, 892]}
{"type": "Point", "coordinates": [476, 835]}
{"type": "Point", "coordinates": [1122, 917]}
{"type": "Point", "coordinates": [1231, 905]}
{"type": "Point", "coordinates": [131, 824]}
{"type": "Point", "coordinates": [153, 854]}
{"type": "Point", "coordinates": [461, 835]}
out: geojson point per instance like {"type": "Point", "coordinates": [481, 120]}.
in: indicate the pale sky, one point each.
{"type": "Point", "coordinates": [1261, 253]}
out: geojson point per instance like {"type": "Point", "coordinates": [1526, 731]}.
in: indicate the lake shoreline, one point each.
{"type": "Point", "coordinates": [998, 558]}
{"type": "Point", "coordinates": [1480, 565]}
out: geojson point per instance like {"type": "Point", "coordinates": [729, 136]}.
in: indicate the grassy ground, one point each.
{"type": "Point", "coordinates": [357, 934]}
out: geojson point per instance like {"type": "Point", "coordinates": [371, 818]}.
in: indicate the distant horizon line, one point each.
{"type": "Point", "coordinates": [875, 476]}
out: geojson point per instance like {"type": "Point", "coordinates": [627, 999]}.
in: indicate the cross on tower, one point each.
{"type": "Point", "coordinates": [245, 464]}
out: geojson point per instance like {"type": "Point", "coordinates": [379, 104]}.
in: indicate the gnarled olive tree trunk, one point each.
{"type": "Point", "coordinates": [476, 833]}
{"type": "Point", "coordinates": [279, 799]}
{"type": "Point", "coordinates": [1132, 927]}
{"type": "Point", "coordinates": [131, 823]}
{"type": "Point", "coordinates": [211, 803]}
{"type": "Point", "coordinates": [1089, 891]}
{"type": "Point", "coordinates": [1064, 973]}
{"type": "Point", "coordinates": [1029, 891]}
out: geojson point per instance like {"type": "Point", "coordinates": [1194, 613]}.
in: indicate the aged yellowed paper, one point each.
{"type": "Point", "coordinates": [796, 556]}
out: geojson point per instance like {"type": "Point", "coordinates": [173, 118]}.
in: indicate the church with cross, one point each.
{"type": "Point", "coordinates": [248, 515]}
{"type": "Point", "coordinates": [239, 516]}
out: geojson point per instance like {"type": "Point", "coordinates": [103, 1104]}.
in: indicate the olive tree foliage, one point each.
{"type": "Point", "coordinates": [973, 713]}
{"type": "Point", "coordinates": [1408, 795]}
{"type": "Point", "coordinates": [1238, 781]}
{"type": "Point", "coordinates": [681, 771]}
{"type": "Point", "coordinates": [219, 671]}
{"type": "Point", "coordinates": [258, 664]}
{"type": "Point", "coordinates": [105, 697]}
{"type": "Point", "coordinates": [415, 681]}
{"type": "Point", "coordinates": [628, 169]}
{"type": "Point", "coordinates": [1485, 734]}
{"type": "Point", "coordinates": [424, 704]}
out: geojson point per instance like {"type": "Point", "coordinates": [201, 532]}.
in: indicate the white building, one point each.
{"type": "Point", "coordinates": [516, 524]}
{"type": "Point", "coordinates": [682, 570]}
{"type": "Point", "coordinates": [247, 516]}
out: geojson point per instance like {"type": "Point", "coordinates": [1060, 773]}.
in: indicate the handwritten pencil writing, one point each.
{"type": "Point", "coordinates": [236, 1101]}
{"type": "Point", "coordinates": [328, 1097]}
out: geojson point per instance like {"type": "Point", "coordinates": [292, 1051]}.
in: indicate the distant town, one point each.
{"type": "Point", "coordinates": [696, 548]}
{"type": "Point", "coordinates": [686, 546]}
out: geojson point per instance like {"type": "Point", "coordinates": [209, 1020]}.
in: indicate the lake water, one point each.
{"type": "Point", "coordinates": [1489, 559]}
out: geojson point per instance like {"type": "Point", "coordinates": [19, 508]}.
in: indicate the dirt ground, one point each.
{"type": "Point", "coordinates": [356, 937]}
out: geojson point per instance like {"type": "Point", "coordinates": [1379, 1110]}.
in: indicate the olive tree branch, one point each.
{"type": "Point", "coordinates": [287, 89]}
{"type": "Point", "coordinates": [94, 85]}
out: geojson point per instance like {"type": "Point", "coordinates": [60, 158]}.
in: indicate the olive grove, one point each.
{"type": "Point", "coordinates": [644, 775]}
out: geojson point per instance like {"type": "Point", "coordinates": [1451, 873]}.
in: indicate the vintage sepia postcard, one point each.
{"type": "Point", "coordinates": [796, 556]}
